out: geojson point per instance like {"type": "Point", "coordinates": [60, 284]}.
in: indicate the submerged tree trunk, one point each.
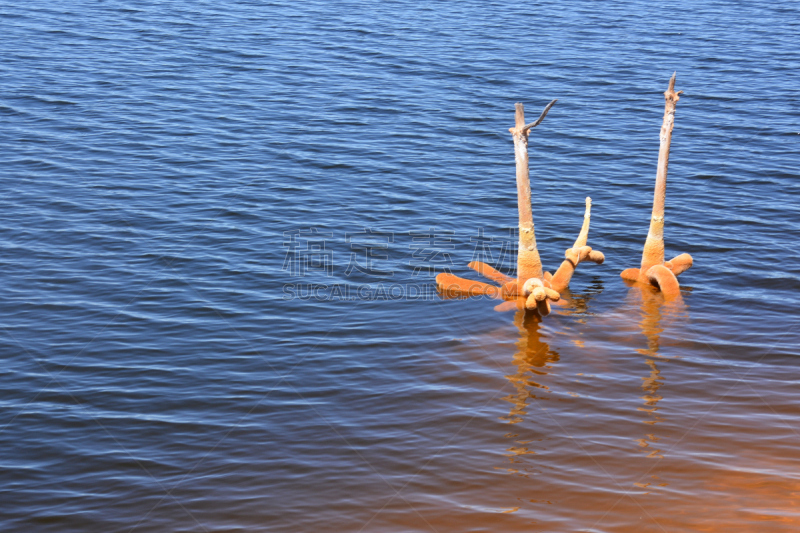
{"type": "Point", "coordinates": [654, 245]}
{"type": "Point", "coordinates": [654, 270]}
{"type": "Point", "coordinates": [529, 265]}
{"type": "Point", "coordinates": [531, 289]}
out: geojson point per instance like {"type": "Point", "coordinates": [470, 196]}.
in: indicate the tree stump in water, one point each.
{"type": "Point", "coordinates": [531, 289]}
{"type": "Point", "coordinates": [654, 270]}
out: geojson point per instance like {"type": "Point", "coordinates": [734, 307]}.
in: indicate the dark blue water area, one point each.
{"type": "Point", "coordinates": [220, 225]}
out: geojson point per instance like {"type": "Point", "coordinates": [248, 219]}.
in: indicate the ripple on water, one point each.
{"type": "Point", "coordinates": [160, 375]}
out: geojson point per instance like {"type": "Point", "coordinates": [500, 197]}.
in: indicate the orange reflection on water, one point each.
{"type": "Point", "coordinates": [606, 457]}
{"type": "Point", "coordinates": [531, 360]}
{"type": "Point", "coordinates": [656, 312]}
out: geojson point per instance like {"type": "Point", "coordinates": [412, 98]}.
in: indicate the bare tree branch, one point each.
{"type": "Point", "coordinates": [541, 117]}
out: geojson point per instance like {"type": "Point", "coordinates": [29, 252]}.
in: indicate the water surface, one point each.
{"type": "Point", "coordinates": [168, 366]}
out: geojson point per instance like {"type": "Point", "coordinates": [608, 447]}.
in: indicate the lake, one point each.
{"type": "Point", "coordinates": [221, 224]}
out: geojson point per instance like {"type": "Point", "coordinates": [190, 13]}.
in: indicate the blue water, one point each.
{"type": "Point", "coordinates": [168, 366]}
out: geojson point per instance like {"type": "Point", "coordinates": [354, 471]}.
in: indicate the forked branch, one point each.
{"type": "Point", "coordinates": [531, 289]}
{"type": "Point", "coordinates": [539, 120]}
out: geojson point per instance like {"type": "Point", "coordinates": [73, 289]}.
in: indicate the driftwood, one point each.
{"type": "Point", "coordinates": [532, 289]}
{"type": "Point", "coordinates": [654, 270]}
